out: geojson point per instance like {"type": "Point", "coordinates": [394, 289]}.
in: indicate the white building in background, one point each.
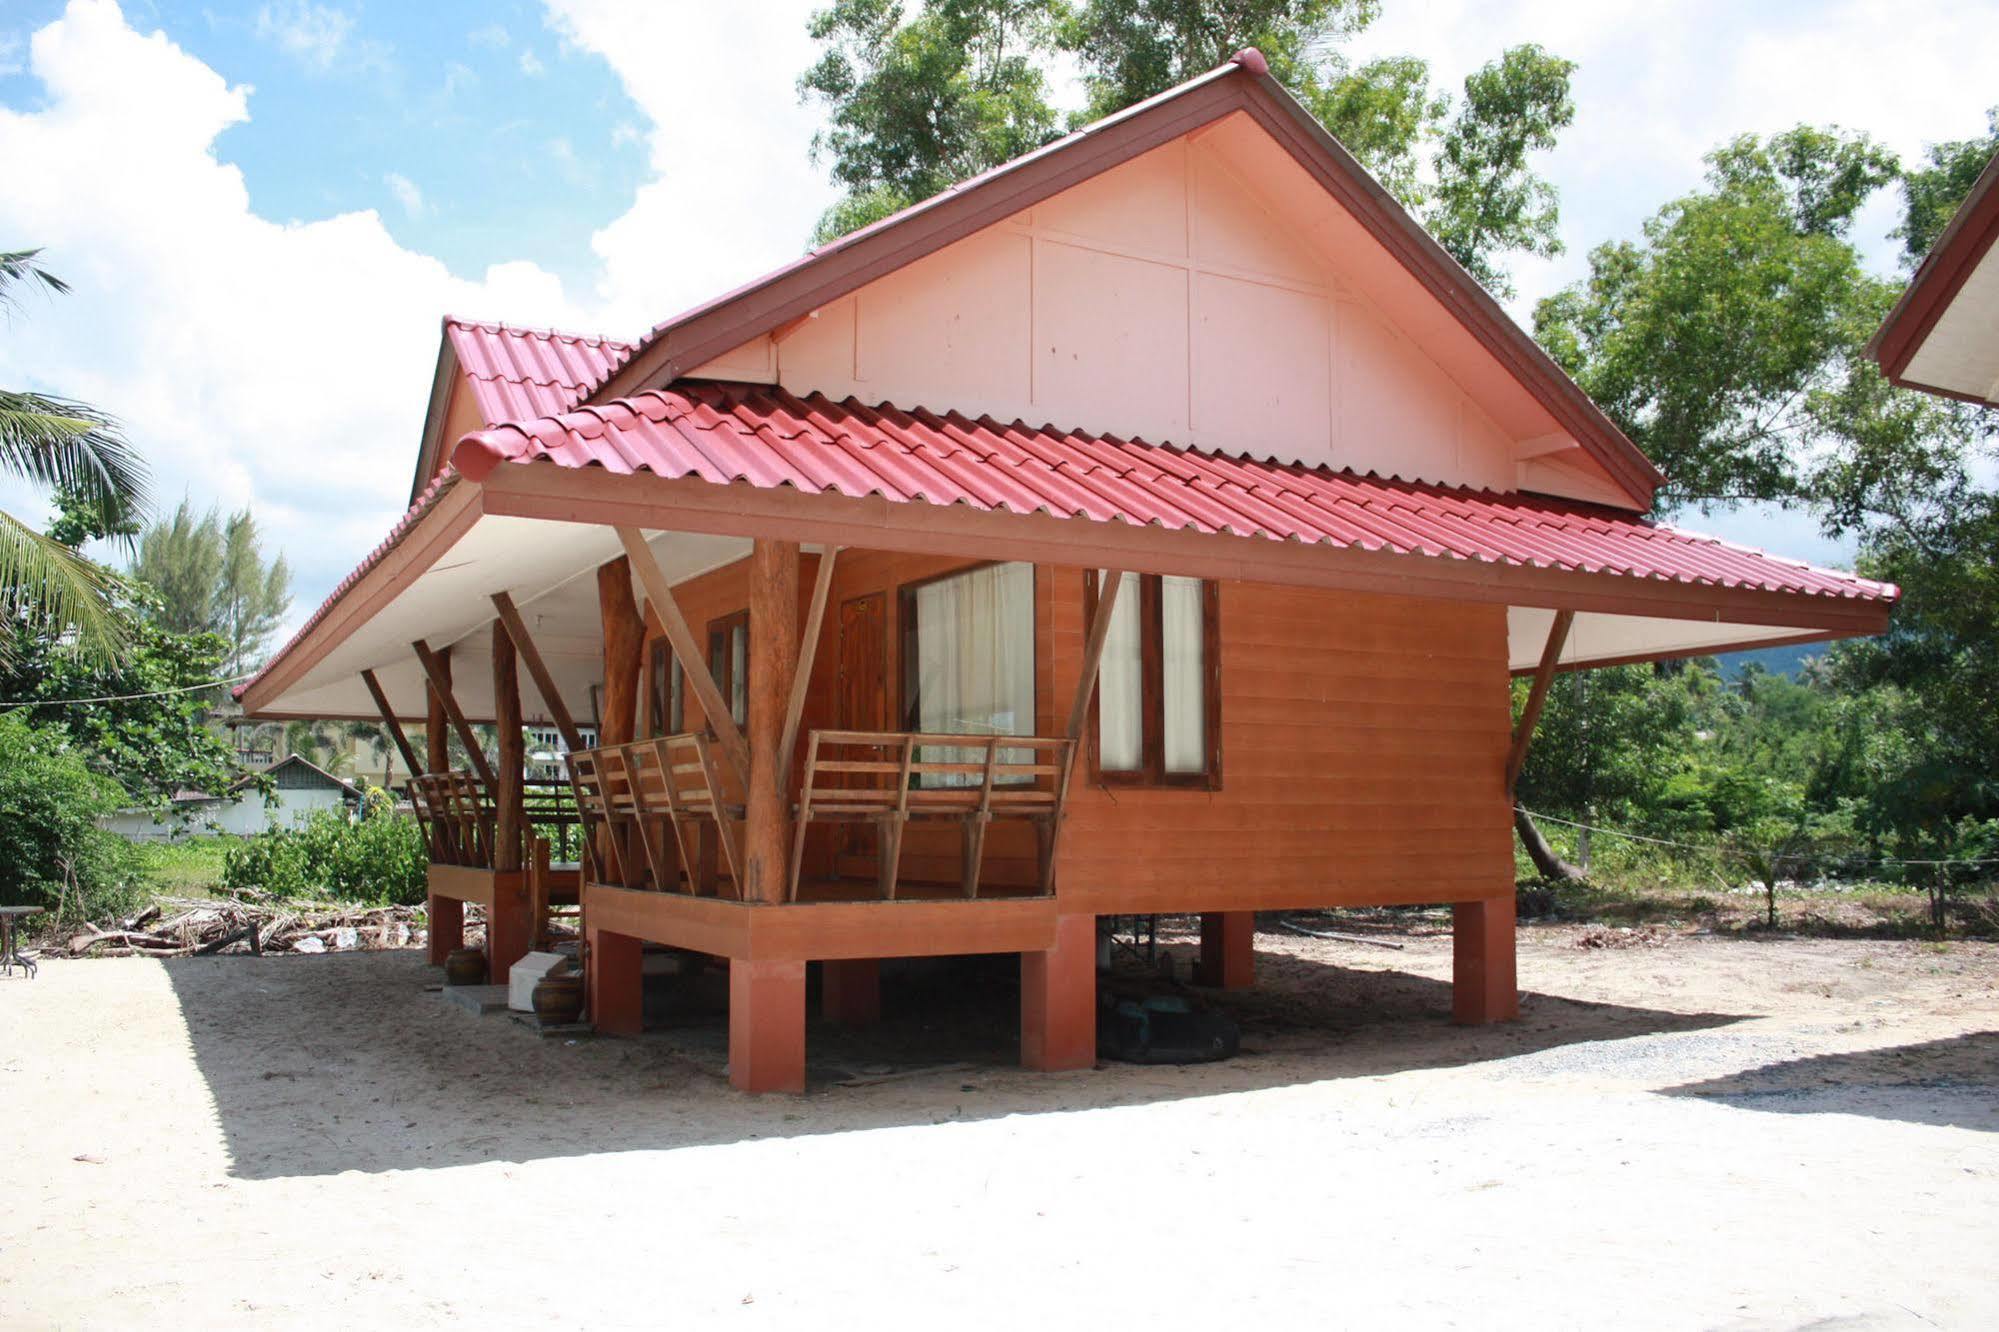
{"type": "Point", "coordinates": [302, 788]}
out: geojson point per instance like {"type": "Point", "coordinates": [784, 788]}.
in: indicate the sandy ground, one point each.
{"type": "Point", "coordinates": [1709, 1133]}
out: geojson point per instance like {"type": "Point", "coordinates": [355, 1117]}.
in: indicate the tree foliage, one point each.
{"type": "Point", "coordinates": [52, 853]}
{"type": "Point", "coordinates": [46, 585]}
{"type": "Point", "coordinates": [211, 577]}
{"type": "Point", "coordinates": [920, 97]}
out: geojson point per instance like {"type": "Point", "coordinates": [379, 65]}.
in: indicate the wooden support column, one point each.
{"type": "Point", "coordinates": [1228, 950]}
{"type": "Point", "coordinates": [447, 927]}
{"type": "Point", "coordinates": [439, 674]}
{"type": "Point", "coordinates": [436, 738]}
{"type": "Point", "coordinates": [693, 660]}
{"type": "Point", "coordinates": [389, 722]}
{"type": "Point", "coordinates": [614, 983]}
{"type": "Point", "coordinates": [510, 924]}
{"type": "Point", "coordinates": [1537, 697]}
{"type": "Point", "coordinates": [850, 991]}
{"type": "Point", "coordinates": [544, 682]}
{"type": "Point", "coordinates": [624, 647]}
{"type": "Point", "coordinates": [1484, 986]}
{"type": "Point", "coordinates": [1058, 999]}
{"type": "Point", "coordinates": [773, 664]}
{"type": "Point", "coordinates": [766, 1025]}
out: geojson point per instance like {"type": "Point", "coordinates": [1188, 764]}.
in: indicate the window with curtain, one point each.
{"type": "Point", "coordinates": [667, 686]}
{"type": "Point", "coordinates": [968, 661]}
{"type": "Point", "coordinates": [1158, 694]}
{"type": "Point", "coordinates": [729, 662]}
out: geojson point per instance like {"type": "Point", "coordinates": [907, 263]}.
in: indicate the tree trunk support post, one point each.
{"type": "Point", "coordinates": [850, 991]}
{"type": "Point", "coordinates": [510, 923]}
{"type": "Point", "coordinates": [1058, 999]}
{"type": "Point", "coordinates": [436, 736]}
{"type": "Point", "coordinates": [1484, 984]}
{"type": "Point", "coordinates": [1228, 950]}
{"type": "Point", "coordinates": [766, 1025]}
{"type": "Point", "coordinates": [544, 681]}
{"type": "Point", "coordinates": [439, 675]}
{"type": "Point", "coordinates": [773, 666]}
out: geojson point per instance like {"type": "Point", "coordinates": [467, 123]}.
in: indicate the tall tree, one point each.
{"type": "Point", "coordinates": [210, 576]}
{"type": "Point", "coordinates": [917, 105]}
{"type": "Point", "coordinates": [75, 450]}
{"type": "Point", "coordinates": [1934, 190]}
{"type": "Point", "coordinates": [1721, 339]}
{"type": "Point", "coordinates": [919, 102]}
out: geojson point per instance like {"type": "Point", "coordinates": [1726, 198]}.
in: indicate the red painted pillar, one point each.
{"type": "Point", "coordinates": [509, 926]}
{"type": "Point", "coordinates": [1484, 987]}
{"type": "Point", "coordinates": [447, 927]}
{"type": "Point", "coordinates": [1228, 950]}
{"type": "Point", "coordinates": [850, 991]}
{"type": "Point", "coordinates": [1058, 999]}
{"type": "Point", "coordinates": [613, 983]}
{"type": "Point", "coordinates": [766, 1026]}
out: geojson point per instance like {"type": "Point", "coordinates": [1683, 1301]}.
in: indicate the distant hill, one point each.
{"type": "Point", "coordinates": [1787, 660]}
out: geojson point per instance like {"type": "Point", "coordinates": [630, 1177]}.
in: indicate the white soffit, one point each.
{"type": "Point", "coordinates": [1961, 352]}
{"type": "Point", "coordinates": [1599, 638]}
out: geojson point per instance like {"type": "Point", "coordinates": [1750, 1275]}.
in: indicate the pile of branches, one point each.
{"type": "Point", "coordinates": [250, 922]}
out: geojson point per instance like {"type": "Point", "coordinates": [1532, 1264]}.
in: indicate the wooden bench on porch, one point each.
{"type": "Point", "coordinates": [889, 778]}
{"type": "Point", "coordinates": [633, 798]}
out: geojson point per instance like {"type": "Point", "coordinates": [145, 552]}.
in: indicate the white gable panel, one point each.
{"type": "Point", "coordinates": [1207, 294]}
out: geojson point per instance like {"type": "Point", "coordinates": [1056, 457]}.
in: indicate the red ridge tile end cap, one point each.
{"type": "Point", "coordinates": [1252, 60]}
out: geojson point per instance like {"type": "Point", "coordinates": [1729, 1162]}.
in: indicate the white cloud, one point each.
{"type": "Point", "coordinates": [10, 55]}
{"type": "Point", "coordinates": [531, 64]}
{"type": "Point", "coordinates": [406, 192]}
{"type": "Point", "coordinates": [731, 192]}
{"type": "Point", "coordinates": [316, 35]}
{"type": "Point", "coordinates": [284, 365]}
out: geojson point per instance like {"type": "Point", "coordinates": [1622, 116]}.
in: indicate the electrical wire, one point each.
{"type": "Point", "coordinates": [16, 703]}
{"type": "Point", "coordinates": [1689, 846]}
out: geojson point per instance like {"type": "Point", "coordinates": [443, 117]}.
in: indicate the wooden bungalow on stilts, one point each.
{"type": "Point", "coordinates": [1153, 524]}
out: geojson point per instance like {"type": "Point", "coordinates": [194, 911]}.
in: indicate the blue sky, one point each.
{"type": "Point", "coordinates": [265, 207]}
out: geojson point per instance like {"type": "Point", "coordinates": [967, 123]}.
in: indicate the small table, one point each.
{"type": "Point", "coordinates": [10, 955]}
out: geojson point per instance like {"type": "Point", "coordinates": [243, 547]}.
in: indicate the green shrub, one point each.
{"type": "Point", "coordinates": [377, 859]}
{"type": "Point", "coordinates": [52, 853]}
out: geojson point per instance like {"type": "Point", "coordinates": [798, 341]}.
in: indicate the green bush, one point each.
{"type": "Point", "coordinates": [52, 853]}
{"type": "Point", "coordinates": [377, 859]}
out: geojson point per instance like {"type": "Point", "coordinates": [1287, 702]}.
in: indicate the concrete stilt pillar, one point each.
{"type": "Point", "coordinates": [447, 927]}
{"type": "Point", "coordinates": [850, 991]}
{"type": "Point", "coordinates": [1058, 999]}
{"type": "Point", "coordinates": [614, 984]}
{"type": "Point", "coordinates": [1228, 950]}
{"type": "Point", "coordinates": [1484, 986]}
{"type": "Point", "coordinates": [766, 1026]}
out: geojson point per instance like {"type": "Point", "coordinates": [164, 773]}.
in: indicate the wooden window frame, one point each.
{"type": "Point", "coordinates": [906, 685]}
{"type": "Point", "coordinates": [662, 666]}
{"type": "Point", "coordinates": [1151, 772]}
{"type": "Point", "coordinates": [719, 664]}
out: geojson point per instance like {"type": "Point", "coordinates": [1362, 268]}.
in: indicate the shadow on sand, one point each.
{"type": "Point", "coordinates": [1948, 1083]}
{"type": "Point", "coordinates": [319, 1065]}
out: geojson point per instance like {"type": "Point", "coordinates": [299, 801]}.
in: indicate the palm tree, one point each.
{"type": "Point", "coordinates": [75, 450]}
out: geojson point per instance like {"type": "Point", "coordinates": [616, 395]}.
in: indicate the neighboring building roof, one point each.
{"type": "Point", "coordinates": [752, 435]}
{"type": "Point", "coordinates": [684, 343]}
{"type": "Point", "coordinates": [1943, 335]}
{"type": "Point", "coordinates": [511, 373]}
{"type": "Point", "coordinates": [298, 773]}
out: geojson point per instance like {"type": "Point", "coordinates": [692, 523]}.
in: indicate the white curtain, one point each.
{"type": "Point", "coordinates": [1185, 701]}
{"type": "Point", "coordinates": [1120, 739]}
{"type": "Point", "coordinates": [975, 661]}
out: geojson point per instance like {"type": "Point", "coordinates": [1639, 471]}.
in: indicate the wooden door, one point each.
{"type": "Point", "coordinates": [861, 688]}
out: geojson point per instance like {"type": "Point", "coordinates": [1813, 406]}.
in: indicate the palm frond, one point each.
{"type": "Point", "coordinates": [71, 446]}
{"type": "Point", "coordinates": [47, 587]}
{"type": "Point", "coordinates": [19, 266]}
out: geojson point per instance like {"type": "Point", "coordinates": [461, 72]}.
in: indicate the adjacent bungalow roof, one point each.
{"type": "Point", "coordinates": [1943, 335]}
{"type": "Point", "coordinates": [758, 436]}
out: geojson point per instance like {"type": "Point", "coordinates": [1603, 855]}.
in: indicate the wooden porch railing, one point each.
{"type": "Point", "coordinates": [655, 814]}
{"type": "Point", "coordinates": [460, 825]}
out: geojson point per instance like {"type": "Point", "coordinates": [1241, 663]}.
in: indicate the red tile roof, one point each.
{"type": "Point", "coordinates": [760, 436]}
{"type": "Point", "coordinates": [517, 373]}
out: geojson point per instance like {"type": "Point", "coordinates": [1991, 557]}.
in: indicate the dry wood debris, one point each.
{"type": "Point", "coordinates": [250, 922]}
